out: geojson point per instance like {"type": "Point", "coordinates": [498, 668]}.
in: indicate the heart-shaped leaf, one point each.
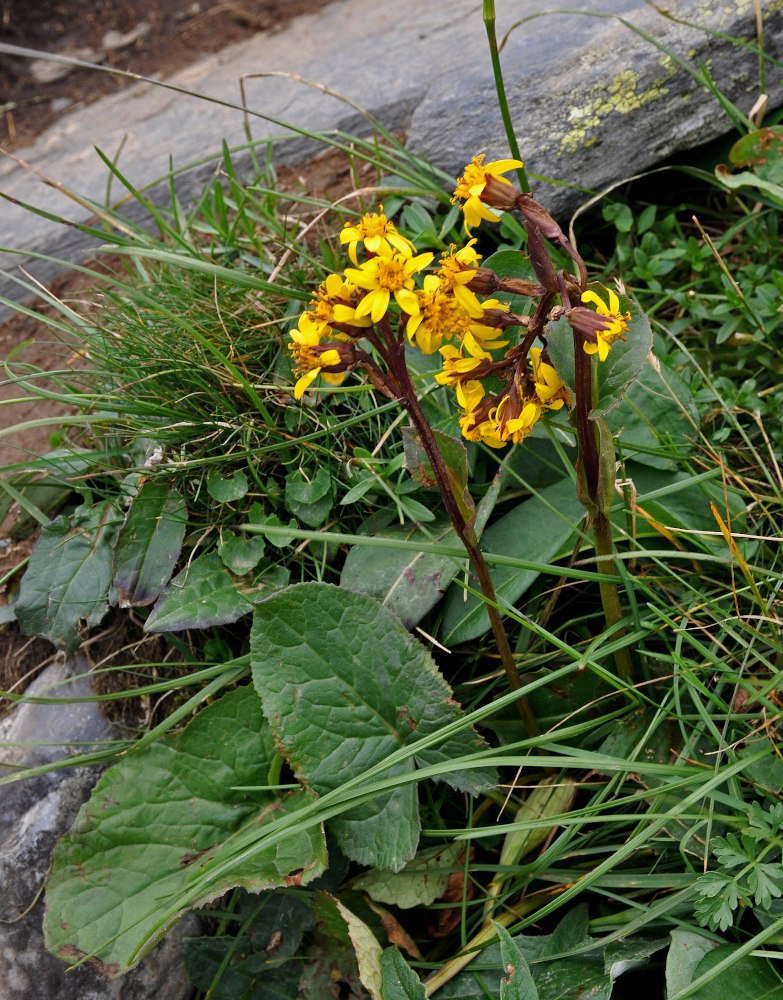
{"type": "Point", "coordinates": [344, 685]}
{"type": "Point", "coordinates": [158, 817]}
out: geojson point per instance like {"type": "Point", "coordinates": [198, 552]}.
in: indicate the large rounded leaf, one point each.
{"type": "Point", "coordinates": [344, 685]}
{"type": "Point", "coordinates": [155, 819]}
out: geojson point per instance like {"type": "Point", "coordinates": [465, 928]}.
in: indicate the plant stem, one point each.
{"type": "Point", "coordinates": [467, 536]}
{"type": "Point", "coordinates": [501, 639]}
{"type": "Point", "coordinates": [489, 24]}
{"type": "Point", "coordinates": [588, 450]}
{"type": "Point", "coordinates": [610, 595]}
{"type": "Point", "coordinates": [598, 469]}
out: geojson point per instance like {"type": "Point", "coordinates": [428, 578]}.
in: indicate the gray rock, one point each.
{"type": "Point", "coordinates": [591, 100]}
{"type": "Point", "coordinates": [36, 811]}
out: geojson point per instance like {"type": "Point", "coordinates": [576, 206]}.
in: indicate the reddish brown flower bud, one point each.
{"type": "Point", "coordinates": [518, 286]}
{"type": "Point", "coordinates": [483, 282]}
{"type": "Point", "coordinates": [587, 322]}
{"type": "Point", "coordinates": [499, 194]}
{"type": "Point", "coordinates": [537, 217]}
{"type": "Point", "coordinates": [501, 318]}
{"type": "Point", "coordinates": [344, 350]}
{"type": "Point", "coordinates": [540, 259]}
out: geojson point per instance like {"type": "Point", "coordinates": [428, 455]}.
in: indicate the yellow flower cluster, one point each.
{"type": "Point", "coordinates": [346, 306]}
{"type": "Point", "coordinates": [440, 311]}
{"type": "Point", "coordinates": [509, 415]}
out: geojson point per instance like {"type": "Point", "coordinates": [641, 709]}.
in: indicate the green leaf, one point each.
{"type": "Point", "coordinates": [206, 594]}
{"type": "Point", "coordinates": [719, 897]}
{"type": "Point", "coordinates": [252, 976]}
{"type": "Point", "coordinates": [149, 543]}
{"type": "Point", "coordinates": [344, 685]}
{"type": "Point", "coordinates": [410, 584]}
{"type": "Point", "coordinates": [512, 264]}
{"type": "Point", "coordinates": [517, 984]}
{"type": "Point", "coordinates": [749, 978]}
{"type": "Point", "coordinates": [255, 965]}
{"type": "Point", "coordinates": [455, 459]}
{"type": "Point", "coordinates": [535, 531]}
{"type": "Point", "coordinates": [686, 951]}
{"type": "Point", "coordinates": [631, 953]}
{"type": "Point", "coordinates": [626, 358]}
{"type": "Point", "coordinates": [241, 553]}
{"type": "Point", "coordinates": [279, 541]}
{"type": "Point", "coordinates": [657, 412]}
{"type": "Point", "coordinates": [228, 488]}
{"type": "Point", "coordinates": [581, 975]}
{"type": "Point", "coordinates": [309, 499]}
{"type": "Point", "coordinates": [45, 484]}
{"type": "Point", "coordinates": [399, 981]}
{"type": "Point", "coordinates": [423, 880]}
{"type": "Point", "coordinates": [762, 151]}
{"type": "Point", "coordinates": [156, 819]}
{"type": "Point", "coordinates": [69, 575]}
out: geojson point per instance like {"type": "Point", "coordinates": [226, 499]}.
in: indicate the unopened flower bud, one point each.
{"type": "Point", "coordinates": [518, 286]}
{"type": "Point", "coordinates": [501, 318]}
{"type": "Point", "coordinates": [484, 281]}
{"type": "Point", "coordinates": [587, 322]}
{"type": "Point", "coordinates": [498, 193]}
{"type": "Point", "coordinates": [540, 259]}
{"type": "Point", "coordinates": [537, 217]}
{"type": "Point", "coordinates": [335, 356]}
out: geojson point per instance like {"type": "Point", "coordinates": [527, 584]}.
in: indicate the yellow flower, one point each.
{"type": "Point", "coordinates": [457, 268]}
{"type": "Point", "coordinates": [455, 365]}
{"type": "Point", "coordinates": [330, 294]}
{"type": "Point", "coordinates": [440, 315]}
{"type": "Point", "coordinates": [330, 357]}
{"type": "Point", "coordinates": [518, 428]}
{"type": "Point", "coordinates": [481, 185]}
{"type": "Point", "coordinates": [310, 358]}
{"type": "Point", "coordinates": [376, 233]}
{"type": "Point", "coordinates": [614, 324]}
{"type": "Point", "coordinates": [481, 338]}
{"type": "Point", "coordinates": [514, 417]}
{"type": "Point", "coordinates": [550, 389]}
{"type": "Point", "coordinates": [385, 276]}
{"type": "Point", "coordinates": [469, 393]}
{"type": "Point", "coordinates": [475, 429]}
{"type": "Point", "coordinates": [347, 315]}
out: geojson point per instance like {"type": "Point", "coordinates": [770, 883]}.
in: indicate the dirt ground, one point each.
{"type": "Point", "coordinates": [113, 33]}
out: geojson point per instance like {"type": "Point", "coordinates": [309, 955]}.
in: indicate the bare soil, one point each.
{"type": "Point", "coordinates": [178, 33]}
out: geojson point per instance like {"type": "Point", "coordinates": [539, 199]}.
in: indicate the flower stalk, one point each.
{"type": "Point", "coordinates": [500, 90]}
{"type": "Point", "coordinates": [360, 321]}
